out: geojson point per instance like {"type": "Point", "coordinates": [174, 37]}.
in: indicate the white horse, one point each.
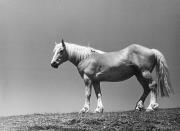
{"type": "Point", "coordinates": [95, 66]}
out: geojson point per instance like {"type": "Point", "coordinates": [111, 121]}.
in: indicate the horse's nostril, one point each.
{"type": "Point", "coordinates": [54, 65]}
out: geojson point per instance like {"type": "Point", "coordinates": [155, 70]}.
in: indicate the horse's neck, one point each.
{"type": "Point", "coordinates": [77, 53]}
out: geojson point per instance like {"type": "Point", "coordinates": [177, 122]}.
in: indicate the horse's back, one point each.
{"type": "Point", "coordinates": [134, 54]}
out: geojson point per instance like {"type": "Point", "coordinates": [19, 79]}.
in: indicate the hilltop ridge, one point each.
{"type": "Point", "coordinates": [162, 119]}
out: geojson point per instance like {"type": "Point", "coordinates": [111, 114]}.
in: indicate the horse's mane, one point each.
{"type": "Point", "coordinates": [79, 51]}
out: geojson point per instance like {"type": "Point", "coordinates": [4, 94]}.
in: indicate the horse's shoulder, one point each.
{"type": "Point", "coordinates": [89, 60]}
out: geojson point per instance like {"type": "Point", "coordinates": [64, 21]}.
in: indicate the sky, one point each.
{"type": "Point", "coordinates": [29, 29]}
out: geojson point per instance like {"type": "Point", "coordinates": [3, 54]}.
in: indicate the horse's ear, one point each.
{"type": "Point", "coordinates": [63, 44]}
{"type": "Point", "coordinates": [55, 43]}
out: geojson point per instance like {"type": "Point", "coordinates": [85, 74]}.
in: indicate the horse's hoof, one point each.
{"type": "Point", "coordinates": [84, 110]}
{"type": "Point", "coordinates": [155, 106]}
{"type": "Point", "coordinates": [149, 110]}
{"type": "Point", "coordinates": [139, 108]}
{"type": "Point", "coordinates": [99, 110]}
{"type": "Point", "coordinates": [152, 107]}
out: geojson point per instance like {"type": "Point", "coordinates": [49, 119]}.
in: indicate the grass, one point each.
{"type": "Point", "coordinates": [162, 119]}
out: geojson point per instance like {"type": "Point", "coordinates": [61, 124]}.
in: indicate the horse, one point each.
{"type": "Point", "coordinates": [95, 66]}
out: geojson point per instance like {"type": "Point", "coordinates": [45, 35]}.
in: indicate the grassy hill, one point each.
{"type": "Point", "coordinates": [162, 119]}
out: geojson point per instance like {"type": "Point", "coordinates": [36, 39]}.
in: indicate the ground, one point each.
{"type": "Point", "coordinates": [161, 119]}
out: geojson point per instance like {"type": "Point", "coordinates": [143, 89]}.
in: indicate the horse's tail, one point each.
{"type": "Point", "coordinates": [164, 84]}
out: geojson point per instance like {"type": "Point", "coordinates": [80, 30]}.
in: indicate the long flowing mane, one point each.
{"type": "Point", "coordinates": [78, 52]}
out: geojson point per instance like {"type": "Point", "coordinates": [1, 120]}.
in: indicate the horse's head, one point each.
{"type": "Point", "coordinates": [60, 54]}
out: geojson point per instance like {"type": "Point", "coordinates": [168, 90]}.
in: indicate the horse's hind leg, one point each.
{"type": "Point", "coordinates": [153, 96]}
{"type": "Point", "coordinates": [144, 82]}
{"type": "Point", "coordinates": [153, 90]}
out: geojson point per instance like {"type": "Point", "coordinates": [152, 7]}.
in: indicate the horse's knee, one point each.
{"type": "Point", "coordinates": [88, 94]}
{"type": "Point", "coordinates": [87, 81]}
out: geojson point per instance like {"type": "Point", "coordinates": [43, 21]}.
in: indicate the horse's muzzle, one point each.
{"type": "Point", "coordinates": [54, 65]}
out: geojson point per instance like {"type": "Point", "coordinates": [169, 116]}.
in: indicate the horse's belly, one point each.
{"type": "Point", "coordinates": [115, 74]}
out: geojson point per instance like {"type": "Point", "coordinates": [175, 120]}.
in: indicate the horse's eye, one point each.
{"type": "Point", "coordinates": [61, 51]}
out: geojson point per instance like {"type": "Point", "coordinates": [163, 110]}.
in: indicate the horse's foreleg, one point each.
{"type": "Point", "coordinates": [88, 87]}
{"type": "Point", "coordinates": [97, 89]}
{"type": "Point", "coordinates": [144, 82]}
